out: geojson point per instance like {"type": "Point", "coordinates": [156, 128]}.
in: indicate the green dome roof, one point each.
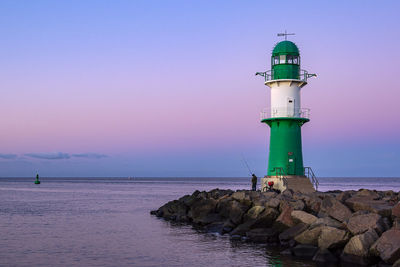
{"type": "Point", "coordinates": [285, 48]}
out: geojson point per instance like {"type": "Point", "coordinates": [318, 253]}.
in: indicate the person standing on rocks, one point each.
{"type": "Point", "coordinates": [254, 182]}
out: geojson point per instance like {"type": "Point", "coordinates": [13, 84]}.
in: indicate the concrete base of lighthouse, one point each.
{"type": "Point", "coordinates": [296, 183]}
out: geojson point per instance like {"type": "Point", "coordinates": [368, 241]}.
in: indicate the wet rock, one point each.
{"type": "Point", "coordinates": [359, 245]}
{"type": "Point", "coordinates": [335, 209]}
{"type": "Point", "coordinates": [284, 220]}
{"type": "Point", "coordinates": [305, 251]}
{"type": "Point", "coordinates": [242, 229]}
{"type": "Point", "coordinates": [290, 233]}
{"type": "Point", "coordinates": [324, 255]}
{"type": "Point", "coordinates": [361, 223]}
{"type": "Point", "coordinates": [263, 235]}
{"type": "Point", "coordinates": [387, 246]}
{"type": "Point", "coordinates": [303, 217]}
{"type": "Point", "coordinates": [331, 238]}
{"type": "Point", "coordinates": [309, 236]}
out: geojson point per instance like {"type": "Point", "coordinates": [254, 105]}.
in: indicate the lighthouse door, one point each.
{"type": "Point", "coordinates": [291, 164]}
{"type": "Point", "coordinates": [290, 107]}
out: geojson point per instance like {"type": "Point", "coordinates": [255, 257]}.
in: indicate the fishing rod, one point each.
{"type": "Point", "coordinates": [247, 165]}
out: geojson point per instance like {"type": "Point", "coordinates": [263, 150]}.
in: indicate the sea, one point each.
{"type": "Point", "coordinates": [107, 222]}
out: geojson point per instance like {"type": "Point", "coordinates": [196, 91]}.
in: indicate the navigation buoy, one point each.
{"type": "Point", "coordinates": [37, 179]}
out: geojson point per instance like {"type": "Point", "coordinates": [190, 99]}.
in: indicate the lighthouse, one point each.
{"type": "Point", "coordinates": [285, 117]}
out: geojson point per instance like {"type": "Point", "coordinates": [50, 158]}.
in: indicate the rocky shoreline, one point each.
{"type": "Point", "coordinates": [340, 227]}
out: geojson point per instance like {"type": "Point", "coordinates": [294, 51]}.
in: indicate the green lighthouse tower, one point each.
{"type": "Point", "coordinates": [285, 117]}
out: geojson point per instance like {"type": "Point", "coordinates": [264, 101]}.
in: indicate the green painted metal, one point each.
{"type": "Point", "coordinates": [285, 151]}
{"type": "Point", "coordinates": [285, 61]}
{"type": "Point", "coordinates": [37, 179]}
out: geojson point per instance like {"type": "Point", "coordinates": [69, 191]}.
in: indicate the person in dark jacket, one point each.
{"type": "Point", "coordinates": [253, 182]}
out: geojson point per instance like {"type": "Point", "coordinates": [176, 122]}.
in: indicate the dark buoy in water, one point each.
{"type": "Point", "coordinates": [37, 179]}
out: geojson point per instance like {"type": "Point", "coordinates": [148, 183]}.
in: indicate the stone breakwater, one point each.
{"type": "Point", "coordinates": [350, 227]}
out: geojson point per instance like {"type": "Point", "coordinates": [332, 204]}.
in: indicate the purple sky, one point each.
{"type": "Point", "coordinates": [167, 88]}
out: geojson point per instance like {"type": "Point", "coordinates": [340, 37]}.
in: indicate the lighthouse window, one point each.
{"type": "Point", "coordinates": [289, 59]}
{"type": "Point", "coordinates": [276, 60]}
{"type": "Point", "coordinates": [295, 60]}
{"type": "Point", "coordinates": [282, 59]}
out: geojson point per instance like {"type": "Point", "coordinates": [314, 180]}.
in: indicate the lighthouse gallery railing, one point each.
{"type": "Point", "coordinates": [269, 74]}
{"type": "Point", "coordinates": [285, 112]}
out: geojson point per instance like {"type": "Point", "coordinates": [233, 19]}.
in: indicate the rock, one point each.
{"type": "Point", "coordinates": [215, 227]}
{"type": "Point", "coordinates": [287, 252]}
{"type": "Point", "coordinates": [304, 251]}
{"type": "Point", "coordinates": [253, 213]}
{"type": "Point", "coordinates": [380, 207]}
{"type": "Point", "coordinates": [309, 236]}
{"type": "Point", "coordinates": [284, 220]}
{"type": "Point", "coordinates": [266, 218]}
{"type": "Point", "coordinates": [372, 194]}
{"type": "Point", "coordinates": [273, 203]}
{"type": "Point", "coordinates": [200, 210]}
{"type": "Point", "coordinates": [335, 209]}
{"type": "Point", "coordinates": [352, 260]}
{"type": "Point", "coordinates": [290, 233]}
{"type": "Point", "coordinates": [240, 196]}
{"type": "Point", "coordinates": [359, 245]}
{"type": "Point", "coordinates": [232, 209]}
{"type": "Point", "coordinates": [312, 203]}
{"type": "Point", "coordinates": [387, 246]}
{"type": "Point", "coordinates": [324, 255]}
{"type": "Point", "coordinates": [218, 193]}
{"type": "Point", "coordinates": [173, 210]}
{"type": "Point", "coordinates": [242, 229]}
{"type": "Point", "coordinates": [361, 223]}
{"type": "Point", "coordinates": [269, 195]}
{"type": "Point", "coordinates": [327, 221]}
{"type": "Point", "coordinates": [397, 263]}
{"type": "Point", "coordinates": [396, 210]}
{"type": "Point", "coordinates": [331, 238]}
{"type": "Point", "coordinates": [303, 217]}
{"type": "Point", "coordinates": [263, 235]}
{"type": "Point", "coordinates": [342, 197]}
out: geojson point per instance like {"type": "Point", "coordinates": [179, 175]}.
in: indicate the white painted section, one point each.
{"type": "Point", "coordinates": [285, 97]}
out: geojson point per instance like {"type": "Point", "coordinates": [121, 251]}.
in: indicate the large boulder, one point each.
{"type": "Point", "coordinates": [303, 217]}
{"type": "Point", "coordinates": [325, 256]}
{"type": "Point", "coordinates": [327, 221]}
{"type": "Point", "coordinates": [361, 223]}
{"type": "Point", "coordinates": [359, 245]}
{"type": "Point", "coordinates": [387, 246]}
{"type": "Point", "coordinates": [331, 238]}
{"type": "Point", "coordinates": [396, 210]}
{"type": "Point", "coordinates": [273, 203]}
{"type": "Point", "coordinates": [173, 210]}
{"type": "Point", "coordinates": [309, 236]}
{"type": "Point", "coordinates": [284, 220]}
{"type": "Point", "coordinates": [305, 251]}
{"type": "Point", "coordinates": [290, 233]}
{"type": "Point", "coordinates": [335, 209]}
{"type": "Point", "coordinates": [232, 209]}
{"type": "Point", "coordinates": [266, 218]}
{"type": "Point", "coordinates": [218, 193]}
{"type": "Point", "coordinates": [253, 213]}
{"type": "Point", "coordinates": [203, 211]}
{"type": "Point", "coordinates": [263, 235]}
{"type": "Point", "coordinates": [369, 203]}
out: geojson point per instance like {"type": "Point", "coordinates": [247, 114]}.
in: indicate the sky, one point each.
{"type": "Point", "coordinates": [167, 88]}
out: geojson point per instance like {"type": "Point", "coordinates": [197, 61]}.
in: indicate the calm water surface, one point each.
{"type": "Point", "coordinates": [106, 222]}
